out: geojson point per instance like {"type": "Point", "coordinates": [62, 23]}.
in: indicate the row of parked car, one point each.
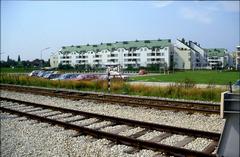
{"type": "Point", "coordinates": [54, 75]}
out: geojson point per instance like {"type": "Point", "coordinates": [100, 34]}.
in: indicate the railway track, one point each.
{"type": "Point", "coordinates": [189, 106]}
{"type": "Point", "coordinates": [60, 116]}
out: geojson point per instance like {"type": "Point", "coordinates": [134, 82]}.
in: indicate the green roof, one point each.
{"type": "Point", "coordinates": [219, 52]}
{"type": "Point", "coordinates": [113, 46]}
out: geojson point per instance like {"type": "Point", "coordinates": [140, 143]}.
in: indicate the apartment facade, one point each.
{"type": "Point", "coordinates": [127, 53]}
{"type": "Point", "coordinates": [218, 58]}
{"type": "Point", "coordinates": [143, 53]}
{"type": "Point", "coordinates": [237, 59]}
{"type": "Point", "coordinates": [189, 55]}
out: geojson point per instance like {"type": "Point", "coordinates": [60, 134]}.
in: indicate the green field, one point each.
{"type": "Point", "coordinates": [201, 77]}
{"type": "Point", "coordinates": [16, 70]}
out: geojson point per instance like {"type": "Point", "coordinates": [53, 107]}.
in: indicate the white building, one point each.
{"type": "Point", "coordinates": [189, 55]}
{"type": "Point", "coordinates": [127, 53]}
{"type": "Point", "coordinates": [144, 53]}
{"type": "Point", "coordinates": [218, 58]}
{"type": "Point", "coordinates": [237, 58]}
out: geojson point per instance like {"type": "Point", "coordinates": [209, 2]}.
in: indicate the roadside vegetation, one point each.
{"type": "Point", "coordinates": [200, 77]}
{"type": "Point", "coordinates": [17, 70]}
{"type": "Point", "coordinates": [185, 90]}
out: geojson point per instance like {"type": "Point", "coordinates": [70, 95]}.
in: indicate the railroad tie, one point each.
{"type": "Point", "coordinates": [117, 131]}
{"type": "Point", "coordinates": [90, 123]}
{"type": "Point", "coordinates": [36, 109]}
{"type": "Point", "coordinates": [133, 150]}
{"type": "Point", "coordinates": [211, 147]}
{"type": "Point", "coordinates": [51, 115]}
{"type": "Point", "coordinates": [160, 137]}
{"type": "Point", "coordinates": [75, 120]}
{"type": "Point", "coordinates": [139, 133]}
{"type": "Point", "coordinates": [104, 126]}
{"type": "Point", "coordinates": [184, 141]}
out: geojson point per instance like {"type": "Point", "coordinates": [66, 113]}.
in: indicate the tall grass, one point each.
{"type": "Point", "coordinates": [180, 91]}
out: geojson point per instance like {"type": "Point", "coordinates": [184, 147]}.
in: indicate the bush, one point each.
{"type": "Point", "coordinates": [189, 83]}
{"type": "Point", "coordinates": [188, 91]}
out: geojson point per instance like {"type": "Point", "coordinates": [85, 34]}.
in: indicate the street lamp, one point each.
{"type": "Point", "coordinates": [41, 55]}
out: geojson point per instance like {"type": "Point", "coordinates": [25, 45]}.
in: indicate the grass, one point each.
{"type": "Point", "coordinates": [17, 70]}
{"type": "Point", "coordinates": [201, 77]}
{"type": "Point", "coordinates": [181, 91]}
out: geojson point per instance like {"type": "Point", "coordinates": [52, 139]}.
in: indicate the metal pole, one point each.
{"type": "Point", "coordinates": [230, 87]}
{"type": "Point", "coordinates": [109, 81]}
{"type": "Point", "coordinates": [41, 55]}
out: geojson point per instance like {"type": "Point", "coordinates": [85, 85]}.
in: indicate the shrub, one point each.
{"type": "Point", "coordinates": [178, 91]}
{"type": "Point", "coordinates": [189, 83]}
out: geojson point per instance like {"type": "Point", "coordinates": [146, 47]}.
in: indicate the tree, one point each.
{"type": "Point", "coordinates": [65, 66]}
{"type": "Point", "coordinates": [19, 59]}
{"type": "Point", "coordinates": [8, 59]}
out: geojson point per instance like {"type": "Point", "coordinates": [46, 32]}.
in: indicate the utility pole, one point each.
{"type": "Point", "coordinates": [41, 55]}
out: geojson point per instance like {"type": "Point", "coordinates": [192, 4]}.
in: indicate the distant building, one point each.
{"type": "Point", "coordinates": [189, 55]}
{"type": "Point", "coordinates": [218, 58]}
{"type": "Point", "coordinates": [54, 61]}
{"type": "Point", "coordinates": [144, 53]}
{"type": "Point", "coordinates": [125, 54]}
{"type": "Point", "coordinates": [237, 59]}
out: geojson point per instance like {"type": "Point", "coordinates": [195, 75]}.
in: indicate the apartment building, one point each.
{"type": "Point", "coordinates": [218, 58]}
{"type": "Point", "coordinates": [54, 61]}
{"type": "Point", "coordinates": [143, 53]}
{"type": "Point", "coordinates": [137, 53]}
{"type": "Point", "coordinates": [237, 59]}
{"type": "Point", "coordinates": [189, 55]}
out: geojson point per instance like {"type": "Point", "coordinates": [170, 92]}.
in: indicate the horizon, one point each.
{"type": "Point", "coordinates": [28, 27]}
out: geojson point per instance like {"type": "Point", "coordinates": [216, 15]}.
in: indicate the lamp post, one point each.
{"type": "Point", "coordinates": [41, 55]}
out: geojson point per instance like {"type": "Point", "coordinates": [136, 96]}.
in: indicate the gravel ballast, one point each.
{"type": "Point", "coordinates": [30, 138]}
{"type": "Point", "coordinates": [56, 141]}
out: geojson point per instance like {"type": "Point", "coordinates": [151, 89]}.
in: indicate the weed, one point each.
{"type": "Point", "coordinates": [179, 91]}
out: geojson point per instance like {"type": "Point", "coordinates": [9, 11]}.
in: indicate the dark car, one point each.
{"type": "Point", "coordinates": [40, 73]}
{"type": "Point", "coordinates": [52, 76]}
{"type": "Point", "coordinates": [46, 74]}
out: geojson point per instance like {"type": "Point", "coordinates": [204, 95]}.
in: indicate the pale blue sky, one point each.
{"type": "Point", "coordinates": [28, 26]}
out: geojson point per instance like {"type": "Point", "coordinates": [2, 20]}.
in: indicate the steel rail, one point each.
{"type": "Point", "coordinates": [171, 150]}
{"type": "Point", "coordinates": [126, 100]}
{"type": "Point", "coordinates": [153, 126]}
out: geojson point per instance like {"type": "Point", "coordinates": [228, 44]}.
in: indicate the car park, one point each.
{"type": "Point", "coordinates": [40, 73]}
{"type": "Point", "coordinates": [86, 77]}
{"type": "Point", "coordinates": [67, 76]}
{"type": "Point", "coordinates": [34, 73]}
{"type": "Point", "coordinates": [51, 76]}
{"type": "Point", "coordinates": [46, 74]}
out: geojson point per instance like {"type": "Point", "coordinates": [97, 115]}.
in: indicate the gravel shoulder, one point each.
{"type": "Point", "coordinates": [30, 138]}
{"type": "Point", "coordinates": [197, 121]}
